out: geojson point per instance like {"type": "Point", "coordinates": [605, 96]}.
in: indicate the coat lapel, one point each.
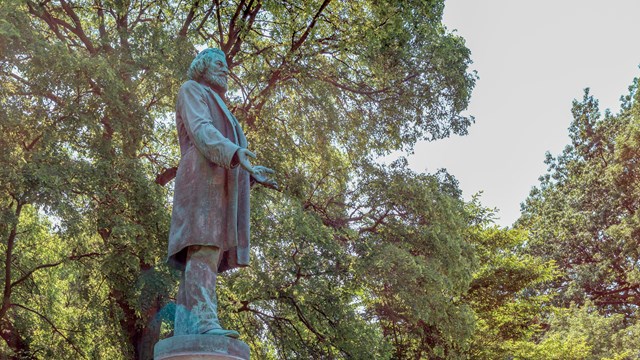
{"type": "Point", "coordinates": [232, 120]}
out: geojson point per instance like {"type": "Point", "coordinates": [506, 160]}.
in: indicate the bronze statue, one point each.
{"type": "Point", "coordinates": [210, 220]}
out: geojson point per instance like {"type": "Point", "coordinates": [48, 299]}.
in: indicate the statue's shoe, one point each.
{"type": "Point", "coordinates": [230, 333]}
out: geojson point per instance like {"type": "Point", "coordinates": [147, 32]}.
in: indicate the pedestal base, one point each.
{"type": "Point", "coordinates": [200, 347]}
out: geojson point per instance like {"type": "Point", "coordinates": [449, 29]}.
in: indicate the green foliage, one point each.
{"type": "Point", "coordinates": [414, 259]}
{"type": "Point", "coordinates": [583, 333]}
{"type": "Point", "coordinates": [300, 292]}
{"type": "Point", "coordinates": [88, 146]}
{"type": "Point", "coordinates": [584, 218]}
{"type": "Point", "coordinates": [53, 279]}
{"type": "Point", "coordinates": [585, 213]}
{"type": "Point", "coordinates": [507, 292]}
{"type": "Point", "coordinates": [512, 295]}
{"type": "Point", "coordinates": [385, 281]}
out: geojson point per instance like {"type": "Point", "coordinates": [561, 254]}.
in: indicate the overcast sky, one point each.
{"type": "Point", "coordinates": [533, 58]}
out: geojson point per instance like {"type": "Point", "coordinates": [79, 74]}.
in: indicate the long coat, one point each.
{"type": "Point", "coordinates": [211, 198]}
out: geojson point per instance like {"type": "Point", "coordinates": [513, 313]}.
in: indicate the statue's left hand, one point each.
{"type": "Point", "coordinates": [259, 175]}
{"type": "Point", "coordinates": [258, 172]}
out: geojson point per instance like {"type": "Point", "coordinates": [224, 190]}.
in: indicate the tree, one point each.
{"type": "Point", "coordinates": [415, 261]}
{"type": "Point", "coordinates": [87, 101]}
{"type": "Point", "coordinates": [585, 213]}
{"type": "Point", "coordinates": [508, 291]}
{"type": "Point", "coordinates": [582, 333]}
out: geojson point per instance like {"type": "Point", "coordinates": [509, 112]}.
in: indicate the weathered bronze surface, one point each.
{"type": "Point", "coordinates": [210, 220]}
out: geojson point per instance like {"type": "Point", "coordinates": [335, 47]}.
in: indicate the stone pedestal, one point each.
{"type": "Point", "coordinates": [200, 347]}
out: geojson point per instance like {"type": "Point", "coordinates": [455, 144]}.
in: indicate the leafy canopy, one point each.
{"type": "Point", "coordinates": [321, 89]}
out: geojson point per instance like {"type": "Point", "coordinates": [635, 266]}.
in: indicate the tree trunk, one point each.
{"type": "Point", "coordinates": [15, 342]}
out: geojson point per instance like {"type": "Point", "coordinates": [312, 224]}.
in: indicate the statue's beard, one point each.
{"type": "Point", "coordinates": [217, 82]}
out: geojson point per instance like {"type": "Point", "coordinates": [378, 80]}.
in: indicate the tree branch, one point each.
{"type": "Point", "coordinates": [78, 30]}
{"type": "Point", "coordinates": [219, 18]}
{"type": "Point", "coordinates": [276, 75]}
{"type": "Point", "coordinates": [167, 175]}
{"type": "Point", "coordinates": [55, 329]}
{"type": "Point", "coordinates": [6, 296]}
{"type": "Point", "coordinates": [310, 27]}
{"type": "Point", "coordinates": [44, 266]}
{"type": "Point", "coordinates": [188, 20]}
{"type": "Point", "coordinates": [206, 17]}
{"type": "Point", "coordinates": [251, 14]}
{"type": "Point", "coordinates": [377, 223]}
{"type": "Point", "coordinates": [360, 90]}
{"type": "Point", "coordinates": [141, 12]}
{"type": "Point", "coordinates": [44, 15]}
{"type": "Point", "coordinates": [48, 94]}
{"type": "Point", "coordinates": [233, 32]}
{"type": "Point", "coordinates": [303, 319]}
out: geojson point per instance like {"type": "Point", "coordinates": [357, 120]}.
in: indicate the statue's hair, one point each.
{"type": "Point", "coordinates": [201, 63]}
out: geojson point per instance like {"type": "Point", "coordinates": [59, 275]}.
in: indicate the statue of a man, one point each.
{"type": "Point", "coordinates": [210, 220]}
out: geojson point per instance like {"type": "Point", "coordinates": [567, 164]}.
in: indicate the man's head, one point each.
{"type": "Point", "coordinates": [210, 66]}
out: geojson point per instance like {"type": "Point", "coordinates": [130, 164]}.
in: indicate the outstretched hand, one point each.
{"type": "Point", "coordinates": [258, 172]}
{"type": "Point", "coordinates": [261, 178]}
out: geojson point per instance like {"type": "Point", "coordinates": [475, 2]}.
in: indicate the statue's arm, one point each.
{"type": "Point", "coordinates": [195, 114]}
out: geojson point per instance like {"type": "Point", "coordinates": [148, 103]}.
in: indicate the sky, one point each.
{"type": "Point", "coordinates": [533, 58]}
